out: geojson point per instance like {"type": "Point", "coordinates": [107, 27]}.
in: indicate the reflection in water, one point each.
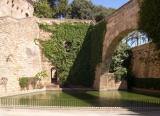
{"type": "Point", "coordinates": [82, 98]}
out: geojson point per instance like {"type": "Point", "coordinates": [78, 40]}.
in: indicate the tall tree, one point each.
{"type": "Point", "coordinates": [82, 9]}
{"type": "Point", "coordinates": [101, 12]}
{"type": "Point", "coordinates": [42, 9]}
{"type": "Point", "coordinates": [60, 7]}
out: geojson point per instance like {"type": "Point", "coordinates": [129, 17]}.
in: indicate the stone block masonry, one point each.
{"type": "Point", "coordinates": [16, 8]}
{"type": "Point", "coordinates": [19, 55]}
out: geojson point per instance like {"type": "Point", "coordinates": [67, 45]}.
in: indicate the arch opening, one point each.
{"type": "Point", "coordinates": [132, 38]}
{"type": "Point", "coordinates": [118, 57]}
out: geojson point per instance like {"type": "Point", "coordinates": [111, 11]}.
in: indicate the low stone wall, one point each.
{"type": "Point", "coordinates": [146, 61]}
{"type": "Point", "coordinates": [60, 21]}
{"type": "Point", "coordinates": [108, 82]}
{"type": "Point", "coordinates": [21, 92]}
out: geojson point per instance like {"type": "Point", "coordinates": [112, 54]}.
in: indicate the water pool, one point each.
{"type": "Point", "coordinates": [82, 99]}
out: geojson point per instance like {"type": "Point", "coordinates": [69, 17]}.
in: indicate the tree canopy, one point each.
{"type": "Point", "coordinates": [42, 9]}
{"type": "Point", "coordinates": [59, 6]}
{"type": "Point", "coordinates": [78, 9]}
{"type": "Point", "coordinates": [82, 9]}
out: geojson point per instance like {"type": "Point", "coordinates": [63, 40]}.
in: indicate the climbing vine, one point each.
{"type": "Point", "coordinates": [63, 47]}
{"type": "Point", "coordinates": [150, 19]}
{"type": "Point", "coordinates": [75, 49]}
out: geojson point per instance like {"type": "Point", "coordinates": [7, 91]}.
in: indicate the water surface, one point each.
{"type": "Point", "coordinates": [83, 98]}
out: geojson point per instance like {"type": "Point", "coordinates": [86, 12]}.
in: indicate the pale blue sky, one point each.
{"type": "Point", "coordinates": [109, 3]}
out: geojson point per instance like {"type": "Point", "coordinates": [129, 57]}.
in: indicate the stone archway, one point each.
{"type": "Point", "coordinates": [119, 24]}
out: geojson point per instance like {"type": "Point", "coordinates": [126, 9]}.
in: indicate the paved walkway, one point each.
{"type": "Point", "coordinates": [22, 112]}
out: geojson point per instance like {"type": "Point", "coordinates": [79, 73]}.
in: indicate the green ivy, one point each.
{"type": "Point", "coordinates": [75, 49]}
{"type": "Point", "coordinates": [150, 19]}
{"type": "Point", "coordinates": [90, 55]}
{"type": "Point", "coordinates": [97, 38]}
{"type": "Point", "coordinates": [57, 50]}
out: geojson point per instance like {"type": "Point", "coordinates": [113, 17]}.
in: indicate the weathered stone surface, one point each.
{"type": "Point", "coordinates": [108, 82]}
{"type": "Point", "coordinates": [146, 61]}
{"type": "Point", "coordinates": [16, 8]}
{"type": "Point", "coordinates": [19, 55]}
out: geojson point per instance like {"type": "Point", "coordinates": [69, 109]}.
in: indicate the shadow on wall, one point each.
{"type": "Point", "coordinates": [83, 70]}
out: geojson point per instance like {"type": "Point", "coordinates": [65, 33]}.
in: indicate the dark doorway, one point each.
{"type": "Point", "coordinates": [54, 78]}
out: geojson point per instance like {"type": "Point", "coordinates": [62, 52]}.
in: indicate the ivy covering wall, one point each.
{"type": "Point", "coordinates": [150, 19]}
{"type": "Point", "coordinates": [90, 55]}
{"type": "Point", "coordinates": [64, 46]}
{"type": "Point", "coordinates": [75, 49]}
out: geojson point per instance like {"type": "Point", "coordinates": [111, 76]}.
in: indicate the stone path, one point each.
{"type": "Point", "coordinates": [31, 112]}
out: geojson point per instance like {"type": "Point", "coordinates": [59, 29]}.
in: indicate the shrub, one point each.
{"type": "Point", "coordinates": [41, 75]}
{"type": "Point", "coordinates": [118, 65]}
{"type": "Point", "coordinates": [24, 82]}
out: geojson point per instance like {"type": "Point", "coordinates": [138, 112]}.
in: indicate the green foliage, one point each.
{"type": "Point", "coordinates": [42, 9]}
{"type": "Point", "coordinates": [90, 55]}
{"type": "Point", "coordinates": [61, 8]}
{"type": "Point", "coordinates": [101, 12]}
{"type": "Point", "coordinates": [147, 83]}
{"type": "Point", "coordinates": [82, 9]}
{"type": "Point", "coordinates": [150, 19]}
{"type": "Point", "coordinates": [75, 49]}
{"type": "Point", "coordinates": [78, 9]}
{"type": "Point", "coordinates": [24, 82]}
{"type": "Point", "coordinates": [63, 47]}
{"type": "Point", "coordinates": [47, 28]}
{"type": "Point", "coordinates": [117, 66]}
{"type": "Point", "coordinates": [97, 38]}
{"type": "Point", "coordinates": [41, 75]}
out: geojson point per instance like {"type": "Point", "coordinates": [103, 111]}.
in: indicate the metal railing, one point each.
{"type": "Point", "coordinates": [46, 103]}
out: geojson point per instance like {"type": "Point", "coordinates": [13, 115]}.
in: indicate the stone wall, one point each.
{"type": "Point", "coordinates": [16, 8]}
{"type": "Point", "coordinates": [146, 61]}
{"type": "Point", "coordinates": [19, 55]}
{"type": "Point", "coordinates": [60, 21]}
